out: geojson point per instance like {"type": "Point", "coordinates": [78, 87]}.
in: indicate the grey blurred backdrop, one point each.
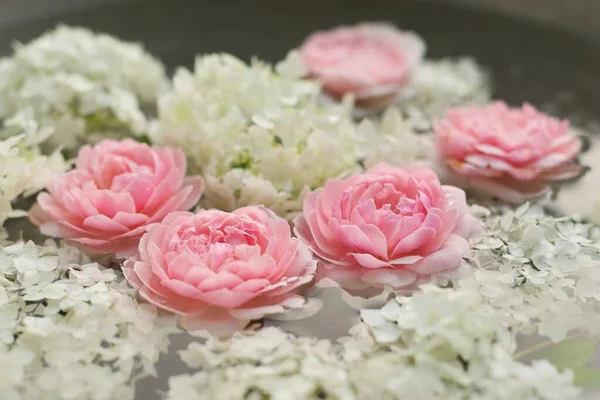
{"type": "Point", "coordinates": [582, 16]}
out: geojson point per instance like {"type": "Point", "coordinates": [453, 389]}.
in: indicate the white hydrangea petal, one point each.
{"type": "Point", "coordinates": [435, 344]}
{"type": "Point", "coordinates": [81, 85]}
{"type": "Point", "coordinates": [71, 335]}
{"type": "Point", "coordinates": [259, 135]}
{"type": "Point", "coordinates": [539, 270]}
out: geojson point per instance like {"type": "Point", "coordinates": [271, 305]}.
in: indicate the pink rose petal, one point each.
{"type": "Point", "coordinates": [412, 221]}
{"type": "Point", "coordinates": [235, 266]}
{"type": "Point", "coordinates": [116, 190]}
{"type": "Point", "coordinates": [509, 153]}
{"type": "Point", "coordinates": [371, 61]}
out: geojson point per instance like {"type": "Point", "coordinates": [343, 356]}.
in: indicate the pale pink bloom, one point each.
{"type": "Point", "coordinates": [510, 153]}
{"type": "Point", "coordinates": [116, 190]}
{"type": "Point", "coordinates": [221, 270]}
{"type": "Point", "coordinates": [386, 227]}
{"type": "Point", "coordinates": [373, 61]}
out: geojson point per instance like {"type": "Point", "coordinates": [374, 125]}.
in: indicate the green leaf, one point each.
{"type": "Point", "coordinates": [143, 139]}
{"type": "Point", "coordinates": [586, 378]}
{"type": "Point", "coordinates": [243, 160]}
{"type": "Point", "coordinates": [573, 353]}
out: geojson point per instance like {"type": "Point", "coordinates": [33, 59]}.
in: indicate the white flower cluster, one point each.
{"type": "Point", "coordinates": [439, 85]}
{"type": "Point", "coordinates": [543, 272]}
{"type": "Point", "coordinates": [441, 344]}
{"type": "Point", "coordinates": [68, 329]}
{"type": "Point", "coordinates": [85, 85]}
{"type": "Point", "coordinates": [446, 344]}
{"type": "Point", "coordinates": [278, 163]}
{"type": "Point", "coordinates": [258, 136]}
{"type": "Point", "coordinates": [270, 364]}
{"type": "Point", "coordinates": [433, 319]}
{"type": "Point", "coordinates": [391, 139]}
{"type": "Point", "coordinates": [23, 169]}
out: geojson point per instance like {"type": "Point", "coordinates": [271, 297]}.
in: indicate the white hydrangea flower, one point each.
{"type": "Point", "coordinates": [437, 344]}
{"type": "Point", "coordinates": [258, 136]}
{"type": "Point", "coordinates": [395, 375]}
{"type": "Point", "coordinates": [543, 272]}
{"type": "Point", "coordinates": [70, 329]}
{"type": "Point", "coordinates": [392, 139]}
{"type": "Point", "coordinates": [442, 84]}
{"type": "Point", "coordinates": [279, 176]}
{"type": "Point", "coordinates": [23, 169]}
{"type": "Point", "coordinates": [447, 344]}
{"type": "Point", "coordinates": [269, 364]}
{"type": "Point", "coordinates": [84, 85]}
{"type": "Point", "coordinates": [438, 321]}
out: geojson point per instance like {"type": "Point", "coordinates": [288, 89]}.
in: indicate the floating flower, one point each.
{"type": "Point", "coordinates": [388, 226]}
{"type": "Point", "coordinates": [539, 271]}
{"type": "Point", "coordinates": [437, 344]}
{"type": "Point", "coordinates": [438, 85]}
{"type": "Point", "coordinates": [510, 153]}
{"type": "Point", "coordinates": [268, 364]}
{"type": "Point", "coordinates": [23, 169]}
{"type": "Point", "coordinates": [221, 270]}
{"type": "Point", "coordinates": [258, 137]}
{"type": "Point", "coordinates": [85, 85]}
{"type": "Point", "coordinates": [448, 344]}
{"type": "Point", "coordinates": [371, 61]}
{"type": "Point", "coordinates": [116, 190]}
{"type": "Point", "coordinates": [69, 329]}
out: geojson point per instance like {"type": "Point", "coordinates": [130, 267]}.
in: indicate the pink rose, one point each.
{"type": "Point", "coordinates": [221, 270]}
{"type": "Point", "coordinates": [509, 153]}
{"type": "Point", "coordinates": [115, 191]}
{"type": "Point", "coordinates": [371, 61]}
{"type": "Point", "coordinates": [388, 226]}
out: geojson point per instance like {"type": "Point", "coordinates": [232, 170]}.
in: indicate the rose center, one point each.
{"type": "Point", "coordinates": [115, 166]}
{"type": "Point", "coordinates": [203, 239]}
{"type": "Point", "coordinates": [389, 198]}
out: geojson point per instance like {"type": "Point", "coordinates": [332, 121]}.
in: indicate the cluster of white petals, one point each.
{"type": "Point", "coordinates": [269, 364]}
{"type": "Point", "coordinates": [23, 169]}
{"type": "Point", "coordinates": [541, 271]}
{"type": "Point", "coordinates": [69, 329]}
{"type": "Point", "coordinates": [391, 139]}
{"type": "Point", "coordinates": [440, 344]}
{"type": "Point", "coordinates": [258, 135]}
{"type": "Point", "coordinates": [446, 344]}
{"type": "Point", "coordinates": [84, 85]}
{"type": "Point", "coordinates": [434, 320]}
{"type": "Point", "coordinates": [442, 84]}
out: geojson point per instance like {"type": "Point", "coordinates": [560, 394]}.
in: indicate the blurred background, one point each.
{"type": "Point", "coordinates": [577, 15]}
{"type": "Point", "coordinates": [541, 51]}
